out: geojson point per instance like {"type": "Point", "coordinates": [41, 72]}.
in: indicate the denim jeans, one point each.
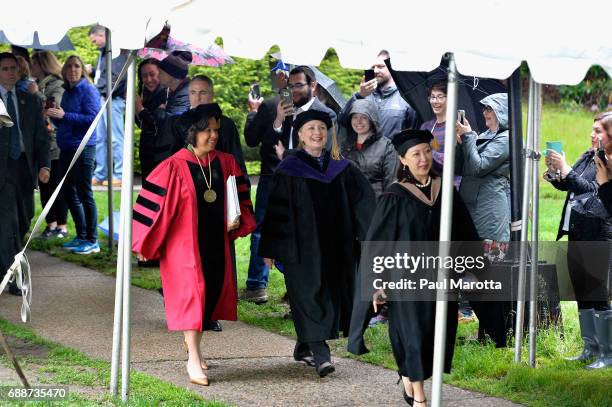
{"type": "Point", "coordinates": [78, 193]}
{"type": "Point", "coordinates": [258, 271]}
{"type": "Point", "coordinates": [101, 146]}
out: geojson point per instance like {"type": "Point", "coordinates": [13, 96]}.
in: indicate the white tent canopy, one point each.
{"type": "Point", "coordinates": [559, 40]}
{"type": "Point", "coordinates": [488, 38]}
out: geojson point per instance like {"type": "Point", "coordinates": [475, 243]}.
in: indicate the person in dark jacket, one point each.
{"type": "Point", "coordinates": [373, 154]}
{"type": "Point", "coordinates": [259, 119]}
{"type": "Point", "coordinates": [395, 114]}
{"type": "Point", "coordinates": [586, 221]}
{"type": "Point", "coordinates": [151, 96]}
{"type": "Point", "coordinates": [79, 107]}
{"type": "Point", "coordinates": [173, 72]}
{"type": "Point", "coordinates": [50, 88]}
{"type": "Point", "coordinates": [24, 160]}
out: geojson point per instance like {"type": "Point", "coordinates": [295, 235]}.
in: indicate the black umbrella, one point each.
{"type": "Point", "coordinates": [63, 45]}
{"type": "Point", "coordinates": [413, 87]}
{"type": "Point", "coordinates": [330, 87]}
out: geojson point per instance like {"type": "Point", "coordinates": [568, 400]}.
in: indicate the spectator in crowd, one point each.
{"type": "Point", "coordinates": [437, 125]}
{"type": "Point", "coordinates": [319, 206]}
{"type": "Point", "coordinates": [24, 74]}
{"type": "Point", "coordinates": [151, 95]}
{"type": "Point", "coordinates": [394, 112]}
{"type": "Point", "coordinates": [202, 92]}
{"type": "Point", "coordinates": [260, 117]}
{"type": "Point", "coordinates": [50, 88]}
{"type": "Point", "coordinates": [173, 75]}
{"type": "Point", "coordinates": [174, 128]}
{"type": "Point", "coordinates": [585, 220]}
{"type": "Point", "coordinates": [97, 35]}
{"type": "Point", "coordinates": [185, 226]}
{"type": "Point", "coordinates": [409, 210]}
{"type": "Point", "coordinates": [485, 167]}
{"type": "Point", "coordinates": [373, 154]}
{"type": "Point", "coordinates": [483, 162]}
{"type": "Point", "coordinates": [79, 107]}
{"type": "Point", "coordinates": [302, 84]}
{"type": "Point", "coordinates": [24, 160]}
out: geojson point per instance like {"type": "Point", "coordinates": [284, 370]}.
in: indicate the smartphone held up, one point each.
{"type": "Point", "coordinates": [286, 97]}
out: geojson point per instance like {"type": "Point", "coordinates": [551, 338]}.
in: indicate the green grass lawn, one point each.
{"type": "Point", "coordinates": [483, 368]}
{"type": "Point", "coordinates": [88, 379]}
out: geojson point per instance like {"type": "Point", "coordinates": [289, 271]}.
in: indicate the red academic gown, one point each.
{"type": "Point", "coordinates": [165, 227]}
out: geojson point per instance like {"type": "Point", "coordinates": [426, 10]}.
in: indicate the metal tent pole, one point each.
{"type": "Point", "coordinates": [109, 134]}
{"type": "Point", "coordinates": [520, 303]}
{"type": "Point", "coordinates": [114, 378]}
{"type": "Point", "coordinates": [446, 214]}
{"type": "Point", "coordinates": [126, 217]}
{"type": "Point", "coordinates": [533, 285]}
{"type": "Point", "coordinates": [516, 153]}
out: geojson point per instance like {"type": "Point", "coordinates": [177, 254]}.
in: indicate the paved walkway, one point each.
{"type": "Point", "coordinates": [73, 305]}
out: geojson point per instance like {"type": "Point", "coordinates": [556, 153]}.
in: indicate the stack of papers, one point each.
{"type": "Point", "coordinates": [233, 204]}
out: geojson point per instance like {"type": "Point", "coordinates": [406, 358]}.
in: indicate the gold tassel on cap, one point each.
{"type": "Point", "coordinates": [335, 148]}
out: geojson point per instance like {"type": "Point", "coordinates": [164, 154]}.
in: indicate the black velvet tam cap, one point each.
{"type": "Point", "coordinates": [409, 138]}
{"type": "Point", "coordinates": [309, 115]}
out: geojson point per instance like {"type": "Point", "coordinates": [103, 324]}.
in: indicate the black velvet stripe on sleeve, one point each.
{"type": "Point", "coordinates": [156, 189]}
{"type": "Point", "coordinates": [139, 217]}
{"type": "Point", "coordinates": [241, 180]}
{"type": "Point", "coordinates": [147, 203]}
{"type": "Point", "coordinates": [244, 195]}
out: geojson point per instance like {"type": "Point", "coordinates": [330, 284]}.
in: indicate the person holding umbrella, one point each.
{"type": "Point", "coordinates": [320, 207]}
{"type": "Point", "coordinates": [151, 95]}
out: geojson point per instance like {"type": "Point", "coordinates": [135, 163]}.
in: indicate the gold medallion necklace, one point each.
{"type": "Point", "coordinates": [210, 196]}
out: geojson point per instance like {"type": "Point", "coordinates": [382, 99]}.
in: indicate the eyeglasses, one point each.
{"type": "Point", "coordinates": [487, 109]}
{"type": "Point", "coordinates": [292, 86]}
{"type": "Point", "coordinates": [439, 98]}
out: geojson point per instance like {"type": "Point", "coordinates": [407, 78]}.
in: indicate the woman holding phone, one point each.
{"type": "Point", "coordinates": [585, 221]}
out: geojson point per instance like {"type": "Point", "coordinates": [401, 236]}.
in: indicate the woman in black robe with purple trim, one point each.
{"type": "Point", "coordinates": [319, 209]}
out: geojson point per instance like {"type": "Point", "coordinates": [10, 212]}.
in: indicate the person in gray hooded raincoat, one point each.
{"type": "Point", "coordinates": [484, 164]}
{"type": "Point", "coordinates": [363, 144]}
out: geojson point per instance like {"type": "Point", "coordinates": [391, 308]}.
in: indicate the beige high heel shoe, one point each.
{"type": "Point", "coordinates": [204, 364]}
{"type": "Point", "coordinates": [200, 381]}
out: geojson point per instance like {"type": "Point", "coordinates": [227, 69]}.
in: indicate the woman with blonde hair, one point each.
{"type": "Point", "coordinates": [319, 208]}
{"type": "Point", "coordinates": [79, 107]}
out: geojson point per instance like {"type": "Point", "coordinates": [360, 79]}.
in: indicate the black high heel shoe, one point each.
{"type": "Point", "coordinates": [409, 399]}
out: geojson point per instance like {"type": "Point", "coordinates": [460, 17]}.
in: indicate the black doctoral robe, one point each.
{"type": "Point", "coordinates": [402, 216]}
{"type": "Point", "coordinates": [314, 221]}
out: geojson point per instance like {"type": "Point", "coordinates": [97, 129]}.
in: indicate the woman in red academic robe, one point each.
{"type": "Point", "coordinates": [180, 218]}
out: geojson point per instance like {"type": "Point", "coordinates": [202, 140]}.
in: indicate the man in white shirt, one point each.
{"type": "Point", "coordinates": [302, 84]}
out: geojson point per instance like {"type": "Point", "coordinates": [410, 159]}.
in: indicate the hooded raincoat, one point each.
{"type": "Point", "coordinates": [377, 159]}
{"type": "Point", "coordinates": [485, 167]}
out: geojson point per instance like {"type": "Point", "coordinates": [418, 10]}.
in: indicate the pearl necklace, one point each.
{"type": "Point", "coordinates": [424, 185]}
